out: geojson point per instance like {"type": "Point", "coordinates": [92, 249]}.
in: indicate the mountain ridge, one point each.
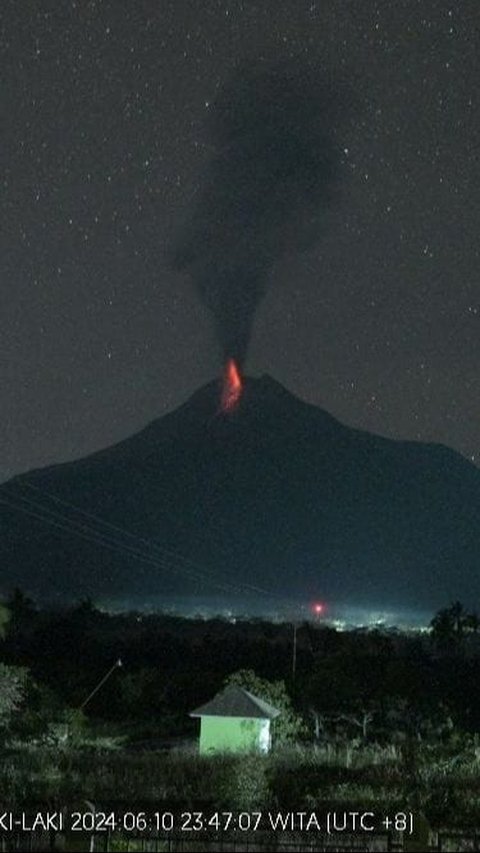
{"type": "Point", "coordinates": [277, 487]}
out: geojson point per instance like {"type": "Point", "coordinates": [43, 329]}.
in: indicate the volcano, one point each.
{"type": "Point", "coordinates": [272, 495]}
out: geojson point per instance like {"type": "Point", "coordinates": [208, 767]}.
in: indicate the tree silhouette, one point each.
{"type": "Point", "coordinates": [12, 690]}
{"type": "Point", "coordinates": [288, 726]}
{"type": "Point", "coordinates": [5, 616]}
{"type": "Point", "coordinates": [451, 624]}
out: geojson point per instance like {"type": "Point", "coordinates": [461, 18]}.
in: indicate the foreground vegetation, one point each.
{"type": "Point", "coordinates": [443, 783]}
{"type": "Point", "coordinates": [369, 720]}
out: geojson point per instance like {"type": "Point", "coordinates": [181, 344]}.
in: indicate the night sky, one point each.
{"type": "Point", "coordinates": [107, 110]}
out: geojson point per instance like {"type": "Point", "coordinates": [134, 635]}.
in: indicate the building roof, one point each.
{"type": "Point", "coordinates": [236, 702]}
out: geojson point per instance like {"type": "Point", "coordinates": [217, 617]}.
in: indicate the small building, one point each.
{"type": "Point", "coordinates": [235, 721]}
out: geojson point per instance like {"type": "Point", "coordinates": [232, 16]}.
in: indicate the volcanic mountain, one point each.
{"type": "Point", "coordinates": [274, 497]}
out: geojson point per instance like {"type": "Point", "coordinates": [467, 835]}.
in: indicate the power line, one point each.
{"type": "Point", "coordinates": [103, 523]}
{"type": "Point", "coordinates": [98, 538]}
{"type": "Point", "coordinates": [60, 521]}
{"type": "Point", "coordinates": [153, 546]}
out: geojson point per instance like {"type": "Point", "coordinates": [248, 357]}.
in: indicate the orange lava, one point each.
{"type": "Point", "coordinates": [232, 386]}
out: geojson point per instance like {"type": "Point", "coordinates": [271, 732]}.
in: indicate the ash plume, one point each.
{"type": "Point", "coordinates": [264, 193]}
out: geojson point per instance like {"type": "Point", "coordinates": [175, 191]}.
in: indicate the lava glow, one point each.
{"type": "Point", "coordinates": [232, 386]}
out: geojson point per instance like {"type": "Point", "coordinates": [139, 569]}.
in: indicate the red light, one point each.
{"type": "Point", "coordinates": [318, 608]}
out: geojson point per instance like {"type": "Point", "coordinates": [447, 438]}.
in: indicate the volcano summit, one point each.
{"type": "Point", "coordinates": [271, 493]}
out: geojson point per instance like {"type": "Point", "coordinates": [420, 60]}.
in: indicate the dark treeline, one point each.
{"type": "Point", "coordinates": [369, 719]}
{"type": "Point", "coordinates": [373, 685]}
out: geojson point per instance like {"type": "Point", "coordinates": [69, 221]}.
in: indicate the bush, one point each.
{"type": "Point", "coordinates": [244, 786]}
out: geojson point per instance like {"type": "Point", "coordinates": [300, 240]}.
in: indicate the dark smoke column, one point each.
{"type": "Point", "coordinates": [264, 193]}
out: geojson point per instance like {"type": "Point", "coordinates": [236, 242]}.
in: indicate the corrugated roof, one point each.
{"type": "Point", "coordinates": [236, 702]}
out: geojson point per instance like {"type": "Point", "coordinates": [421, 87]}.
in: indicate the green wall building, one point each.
{"type": "Point", "coordinates": [235, 721]}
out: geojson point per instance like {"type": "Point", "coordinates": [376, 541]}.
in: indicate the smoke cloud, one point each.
{"type": "Point", "coordinates": [264, 193]}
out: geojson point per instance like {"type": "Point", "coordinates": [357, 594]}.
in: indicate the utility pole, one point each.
{"type": "Point", "coordinates": [101, 683]}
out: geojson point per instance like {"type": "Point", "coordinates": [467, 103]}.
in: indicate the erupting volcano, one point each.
{"type": "Point", "coordinates": [232, 386]}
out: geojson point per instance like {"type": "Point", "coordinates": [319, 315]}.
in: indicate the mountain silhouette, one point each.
{"type": "Point", "coordinates": [277, 497]}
